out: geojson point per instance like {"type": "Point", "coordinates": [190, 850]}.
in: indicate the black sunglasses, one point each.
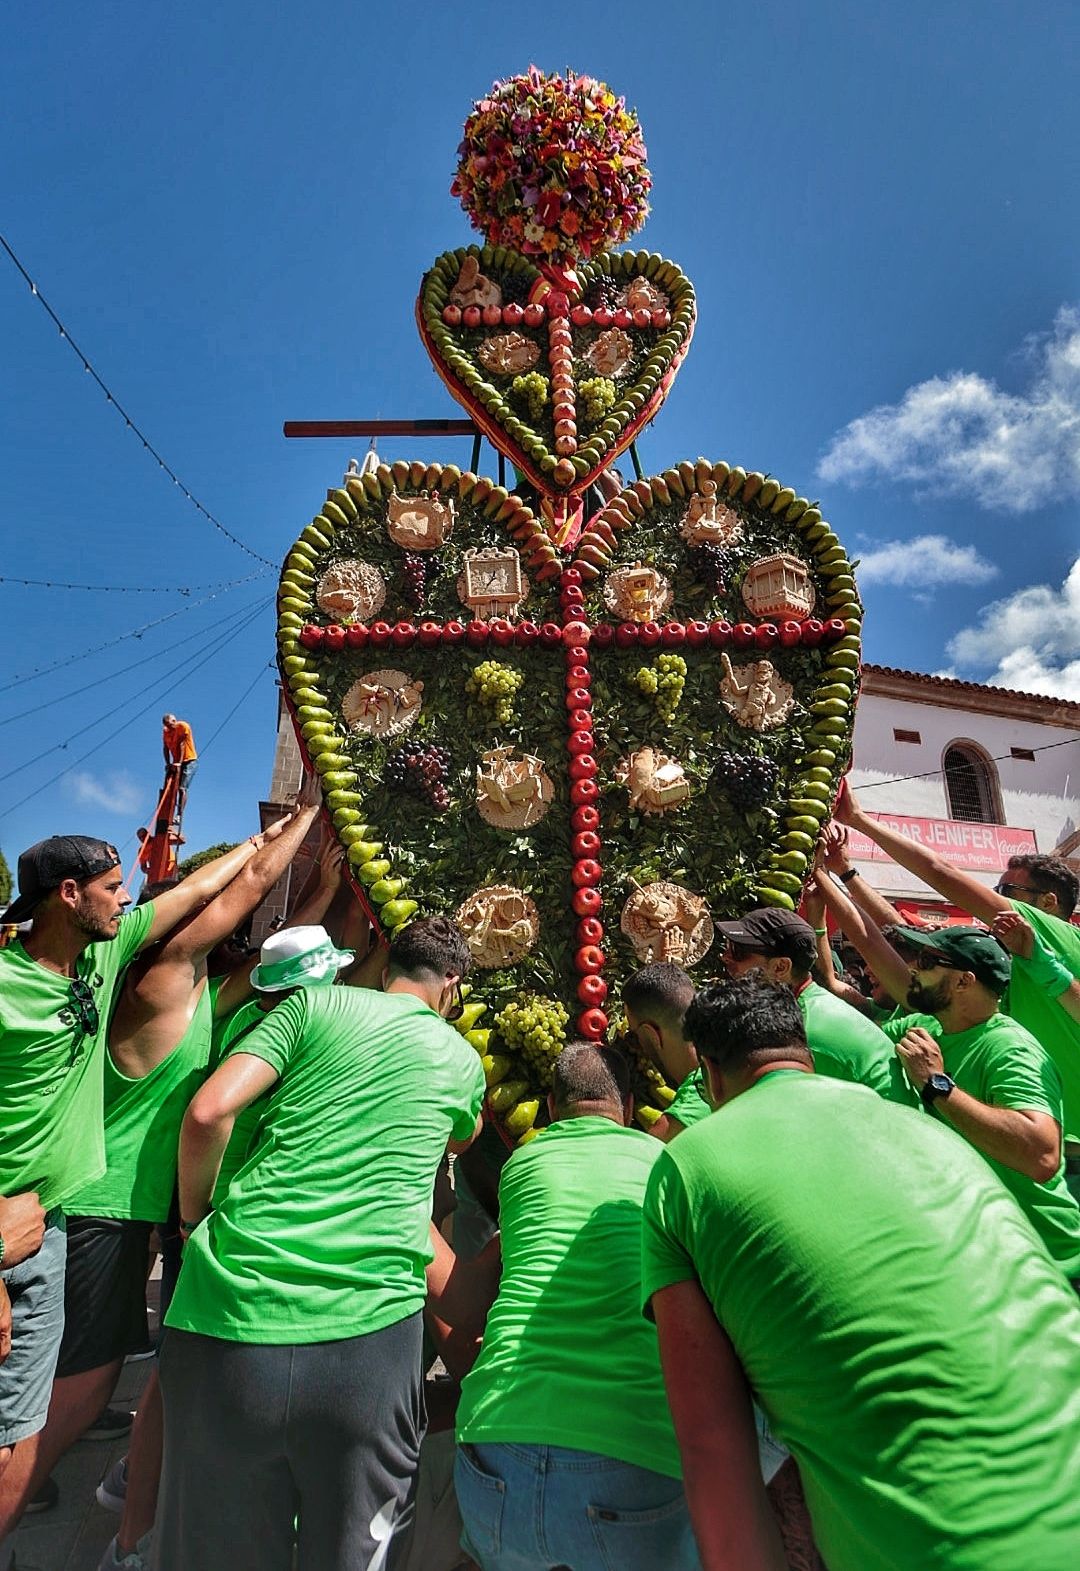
{"type": "Point", "coordinates": [1005, 888]}
{"type": "Point", "coordinates": [86, 1014]}
{"type": "Point", "coordinates": [926, 960]}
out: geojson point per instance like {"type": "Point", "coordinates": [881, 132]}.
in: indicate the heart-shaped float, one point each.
{"type": "Point", "coordinates": [586, 758]}
{"type": "Point", "coordinates": [561, 379]}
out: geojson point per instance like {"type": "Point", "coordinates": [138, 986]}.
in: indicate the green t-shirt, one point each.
{"type": "Point", "coordinates": [1002, 1064]}
{"type": "Point", "coordinates": [897, 1320]}
{"type": "Point", "coordinates": [1042, 1015]}
{"type": "Point", "coordinates": [690, 1106]}
{"type": "Point", "coordinates": [51, 1079]}
{"type": "Point", "coordinates": [227, 1032]}
{"type": "Point", "coordinates": [899, 1024]}
{"type": "Point", "coordinates": [848, 1046]}
{"type": "Point", "coordinates": [323, 1233]}
{"type": "Point", "coordinates": [142, 1127]}
{"type": "Point", "coordinates": [570, 1214]}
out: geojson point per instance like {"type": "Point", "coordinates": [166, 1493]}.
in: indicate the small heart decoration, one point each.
{"type": "Point", "coordinates": [473, 702]}
{"type": "Point", "coordinates": [560, 373]}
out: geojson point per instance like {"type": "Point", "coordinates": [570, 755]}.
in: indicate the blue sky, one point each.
{"type": "Point", "coordinates": [230, 209]}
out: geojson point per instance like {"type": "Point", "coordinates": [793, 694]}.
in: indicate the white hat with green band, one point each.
{"type": "Point", "coordinates": [298, 957]}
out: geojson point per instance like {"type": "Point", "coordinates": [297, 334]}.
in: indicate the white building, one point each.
{"type": "Point", "coordinates": [977, 773]}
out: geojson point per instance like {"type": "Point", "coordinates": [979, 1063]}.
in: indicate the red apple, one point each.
{"type": "Point", "coordinates": [578, 698]}
{"type": "Point", "coordinates": [550, 635]}
{"type": "Point", "coordinates": [582, 792]}
{"type": "Point", "coordinates": [592, 990]}
{"type": "Point", "coordinates": [526, 633]}
{"type": "Point", "coordinates": [589, 958]}
{"type": "Point", "coordinates": [672, 634]}
{"type": "Point", "coordinates": [589, 930]}
{"type": "Point", "coordinates": [576, 636]}
{"type": "Point", "coordinates": [312, 637]}
{"type": "Point", "coordinates": [586, 902]}
{"type": "Point", "coordinates": [580, 720]}
{"type": "Point", "coordinates": [579, 742]}
{"type": "Point", "coordinates": [583, 767]}
{"type": "Point", "coordinates": [812, 630]}
{"type": "Point", "coordinates": [720, 633]}
{"type": "Point", "coordinates": [697, 634]}
{"type": "Point", "coordinates": [403, 636]}
{"type": "Point", "coordinates": [334, 637]}
{"type": "Point", "coordinates": [584, 819]}
{"type": "Point", "coordinates": [587, 843]}
{"type": "Point", "coordinates": [578, 676]}
{"type": "Point", "coordinates": [790, 634]}
{"type": "Point", "coordinates": [453, 633]}
{"type": "Point", "coordinates": [603, 635]}
{"type": "Point", "coordinates": [742, 634]}
{"type": "Point", "coordinates": [502, 632]}
{"type": "Point", "coordinates": [569, 578]}
{"type": "Point", "coordinates": [476, 635]}
{"type": "Point", "coordinates": [649, 635]}
{"type": "Point", "coordinates": [766, 634]}
{"type": "Point", "coordinates": [835, 629]}
{"type": "Point", "coordinates": [379, 634]}
{"type": "Point", "coordinates": [592, 1024]}
{"type": "Point", "coordinates": [626, 635]}
{"type": "Point", "coordinates": [356, 636]}
{"type": "Point", "coordinates": [586, 872]}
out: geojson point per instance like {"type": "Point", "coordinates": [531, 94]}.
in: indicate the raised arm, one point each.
{"type": "Point", "coordinates": [1042, 965]}
{"type": "Point", "coordinates": [836, 860]}
{"type": "Point", "coordinates": [714, 1425]}
{"type": "Point", "coordinates": [173, 905]}
{"type": "Point", "coordinates": [961, 889]}
{"type": "Point", "coordinates": [869, 940]}
{"type": "Point", "coordinates": [813, 910]}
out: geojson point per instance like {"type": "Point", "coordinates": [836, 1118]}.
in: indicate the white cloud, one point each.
{"type": "Point", "coordinates": [116, 793]}
{"type": "Point", "coordinates": [924, 562]}
{"type": "Point", "coordinates": [961, 434]}
{"type": "Point", "coordinates": [1031, 639]}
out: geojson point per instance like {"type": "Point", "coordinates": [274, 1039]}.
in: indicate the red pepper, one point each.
{"type": "Point", "coordinates": [592, 1024]}
{"type": "Point", "coordinates": [584, 819]}
{"type": "Point", "coordinates": [592, 990]}
{"type": "Point", "coordinates": [586, 901]}
{"type": "Point", "coordinates": [588, 959]}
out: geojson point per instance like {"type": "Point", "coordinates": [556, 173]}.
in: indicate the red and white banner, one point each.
{"type": "Point", "coordinates": [978, 848]}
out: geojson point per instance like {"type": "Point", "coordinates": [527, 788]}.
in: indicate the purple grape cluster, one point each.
{"type": "Point", "coordinates": [603, 291]}
{"type": "Point", "coordinates": [422, 769]}
{"type": "Point", "coordinates": [747, 780]}
{"type": "Point", "coordinates": [515, 288]}
{"type": "Point", "coordinates": [414, 575]}
{"type": "Point", "coordinates": [712, 564]}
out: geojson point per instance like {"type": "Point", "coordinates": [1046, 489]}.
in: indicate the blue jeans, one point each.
{"type": "Point", "coordinates": [535, 1508]}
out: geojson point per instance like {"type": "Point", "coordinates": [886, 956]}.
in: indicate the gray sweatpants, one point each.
{"type": "Point", "coordinates": [258, 1437]}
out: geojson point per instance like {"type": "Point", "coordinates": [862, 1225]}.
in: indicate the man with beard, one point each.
{"type": "Point", "coordinates": [57, 986]}
{"type": "Point", "coordinates": [989, 1079]}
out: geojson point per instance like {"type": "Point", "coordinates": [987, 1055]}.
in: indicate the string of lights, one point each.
{"type": "Point", "coordinates": [161, 689]}
{"type": "Point", "coordinates": [112, 676]}
{"type": "Point", "coordinates": [135, 589]}
{"type": "Point", "coordinates": [233, 627]}
{"type": "Point", "coordinates": [110, 643]}
{"type": "Point", "coordinates": [128, 421]}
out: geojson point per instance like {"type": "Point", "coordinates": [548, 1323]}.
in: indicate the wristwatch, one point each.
{"type": "Point", "coordinates": [936, 1085]}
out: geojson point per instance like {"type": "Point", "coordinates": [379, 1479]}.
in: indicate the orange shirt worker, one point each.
{"type": "Point", "coordinates": [179, 747]}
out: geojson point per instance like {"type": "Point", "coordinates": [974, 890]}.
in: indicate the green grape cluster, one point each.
{"type": "Point", "coordinates": [535, 1027]}
{"type": "Point", "coordinates": [532, 391]}
{"type": "Point", "coordinates": [598, 397]}
{"type": "Point", "coordinates": [664, 681]}
{"type": "Point", "coordinates": [495, 685]}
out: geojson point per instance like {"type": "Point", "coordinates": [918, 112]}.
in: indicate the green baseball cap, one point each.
{"type": "Point", "coordinates": [964, 949]}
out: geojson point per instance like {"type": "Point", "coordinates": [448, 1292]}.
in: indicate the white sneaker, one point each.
{"type": "Point", "coordinates": [112, 1491]}
{"type": "Point", "coordinates": [138, 1559]}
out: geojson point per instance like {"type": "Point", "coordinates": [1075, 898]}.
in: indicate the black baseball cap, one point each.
{"type": "Point", "coordinates": [770, 931]}
{"type": "Point", "coordinates": [45, 866]}
{"type": "Point", "coordinates": [964, 949]}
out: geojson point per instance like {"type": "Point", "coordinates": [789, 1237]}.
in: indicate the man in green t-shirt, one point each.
{"type": "Point", "coordinates": [291, 1371]}
{"type": "Point", "coordinates": [656, 999]}
{"type": "Point", "coordinates": [896, 1318]}
{"type": "Point", "coordinates": [1044, 890]}
{"type": "Point", "coordinates": [563, 1428]}
{"type": "Point", "coordinates": [989, 1079]}
{"type": "Point", "coordinates": [845, 1044]}
{"type": "Point", "coordinates": [57, 986]}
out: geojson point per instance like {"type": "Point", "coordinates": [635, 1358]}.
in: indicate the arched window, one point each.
{"type": "Point", "coordinates": [971, 784]}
